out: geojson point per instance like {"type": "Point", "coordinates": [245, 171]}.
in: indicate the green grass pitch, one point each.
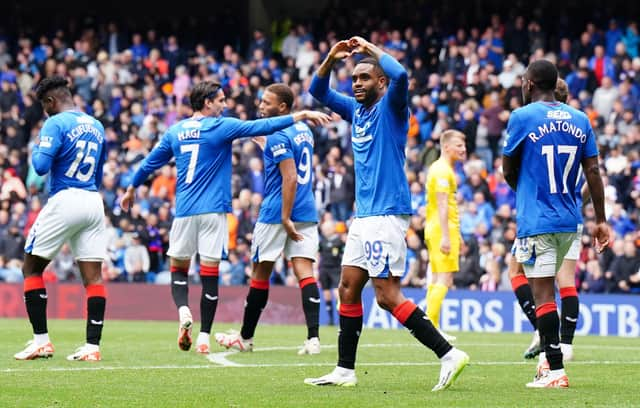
{"type": "Point", "coordinates": [142, 367]}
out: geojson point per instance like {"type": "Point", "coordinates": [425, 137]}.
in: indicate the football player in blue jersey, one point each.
{"type": "Point", "coordinates": [71, 149]}
{"type": "Point", "coordinates": [376, 246]}
{"type": "Point", "coordinates": [287, 223]}
{"type": "Point", "coordinates": [201, 146]}
{"type": "Point", "coordinates": [565, 278]}
{"type": "Point", "coordinates": [546, 143]}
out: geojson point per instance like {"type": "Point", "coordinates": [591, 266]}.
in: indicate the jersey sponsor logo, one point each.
{"type": "Point", "coordinates": [85, 119]}
{"type": "Point", "coordinates": [191, 124]}
{"type": "Point", "coordinates": [361, 135]}
{"type": "Point", "coordinates": [361, 130]}
{"type": "Point", "coordinates": [558, 114]}
{"type": "Point", "coordinates": [361, 139]}
{"type": "Point", "coordinates": [45, 141]}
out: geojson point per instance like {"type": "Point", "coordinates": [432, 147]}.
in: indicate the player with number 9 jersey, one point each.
{"type": "Point", "coordinates": [553, 138]}
{"type": "Point", "coordinates": [295, 142]}
{"type": "Point", "coordinates": [202, 148]}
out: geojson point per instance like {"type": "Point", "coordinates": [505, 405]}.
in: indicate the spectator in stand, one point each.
{"type": "Point", "coordinates": [626, 268]}
{"type": "Point", "coordinates": [136, 259]}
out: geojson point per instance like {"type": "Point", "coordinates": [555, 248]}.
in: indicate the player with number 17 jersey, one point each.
{"type": "Point", "coordinates": [553, 138]}
{"type": "Point", "coordinates": [295, 142]}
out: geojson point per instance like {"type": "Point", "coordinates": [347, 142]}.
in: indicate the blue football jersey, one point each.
{"type": "Point", "coordinates": [202, 148]}
{"type": "Point", "coordinates": [551, 139]}
{"type": "Point", "coordinates": [294, 142]}
{"type": "Point", "coordinates": [72, 148]}
{"type": "Point", "coordinates": [378, 138]}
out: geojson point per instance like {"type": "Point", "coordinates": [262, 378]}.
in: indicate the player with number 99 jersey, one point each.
{"type": "Point", "coordinates": [295, 142]}
{"type": "Point", "coordinates": [553, 139]}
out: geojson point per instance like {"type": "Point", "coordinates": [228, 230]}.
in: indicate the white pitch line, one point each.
{"type": "Point", "coordinates": [271, 365]}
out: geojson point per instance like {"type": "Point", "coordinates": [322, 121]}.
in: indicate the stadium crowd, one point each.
{"type": "Point", "coordinates": [137, 82]}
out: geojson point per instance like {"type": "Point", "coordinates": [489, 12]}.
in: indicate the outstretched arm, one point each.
{"type": "Point", "coordinates": [236, 128]}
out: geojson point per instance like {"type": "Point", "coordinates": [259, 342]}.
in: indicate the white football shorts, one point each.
{"type": "Point", "coordinates": [378, 245]}
{"type": "Point", "coordinates": [206, 234]}
{"type": "Point", "coordinates": [72, 215]}
{"type": "Point", "coordinates": [270, 240]}
{"type": "Point", "coordinates": [547, 251]}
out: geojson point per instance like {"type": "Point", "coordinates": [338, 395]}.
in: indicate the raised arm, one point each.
{"type": "Point", "coordinates": [319, 88]}
{"type": "Point", "coordinates": [398, 91]}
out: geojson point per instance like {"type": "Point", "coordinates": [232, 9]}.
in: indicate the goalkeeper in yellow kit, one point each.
{"type": "Point", "coordinates": [442, 229]}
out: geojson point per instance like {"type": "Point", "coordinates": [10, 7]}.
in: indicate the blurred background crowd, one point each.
{"type": "Point", "coordinates": [135, 78]}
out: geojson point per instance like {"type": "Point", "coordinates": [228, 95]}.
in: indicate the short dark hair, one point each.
{"type": "Point", "coordinates": [376, 66]}
{"type": "Point", "coordinates": [200, 92]}
{"type": "Point", "coordinates": [49, 84]}
{"type": "Point", "coordinates": [283, 92]}
{"type": "Point", "coordinates": [543, 74]}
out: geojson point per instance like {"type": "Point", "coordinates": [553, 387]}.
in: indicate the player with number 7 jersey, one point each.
{"type": "Point", "coordinates": [201, 146]}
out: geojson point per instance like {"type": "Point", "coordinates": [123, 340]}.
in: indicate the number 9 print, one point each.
{"type": "Point", "coordinates": [373, 252]}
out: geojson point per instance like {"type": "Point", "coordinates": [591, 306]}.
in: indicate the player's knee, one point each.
{"type": "Point", "coordinates": [515, 269]}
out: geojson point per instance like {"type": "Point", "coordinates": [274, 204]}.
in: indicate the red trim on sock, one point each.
{"type": "Point", "coordinates": [354, 310]}
{"type": "Point", "coordinates": [568, 292]}
{"type": "Point", "coordinates": [33, 283]}
{"type": "Point", "coordinates": [549, 307]}
{"type": "Point", "coordinates": [96, 291]}
{"type": "Point", "coordinates": [307, 281]}
{"type": "Point", "coordinates": [177, 269]}
{"type": "Point", "coordinates": [259, 284]}
{"type": "Point", "coordinates": [518, 280]}
{"type": "Point", "coordinates": [404, 310]}
{"type": "Point", "coordinates": [206, 270]}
